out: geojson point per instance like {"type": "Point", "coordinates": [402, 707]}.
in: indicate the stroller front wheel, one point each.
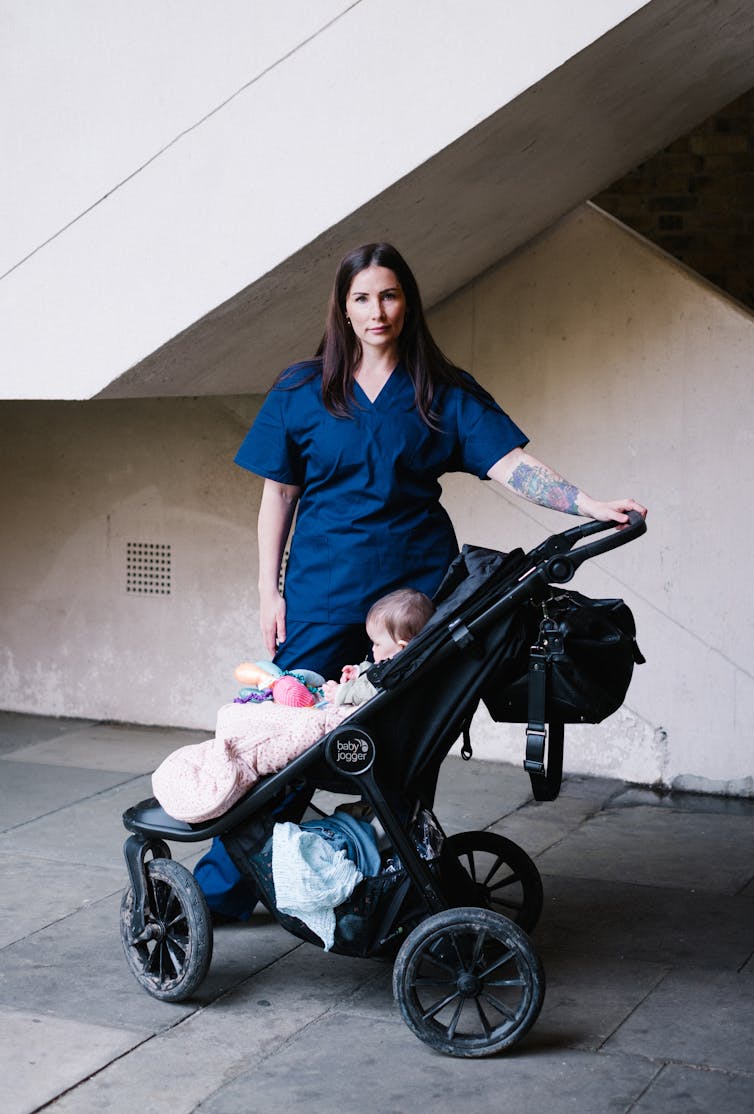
{"type": "Point", "coordinates": [468, 982]}
{"type": "Point", "coordinates": [172, 956]}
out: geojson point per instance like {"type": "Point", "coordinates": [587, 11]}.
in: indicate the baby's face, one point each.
{"type": "Point", "coordinates": [383, 646]}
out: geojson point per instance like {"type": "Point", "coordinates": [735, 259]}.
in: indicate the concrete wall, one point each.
{"type": "Point", "coordinates": [630, 375]}
{"type": "Point", "coordinates": [80, 482]}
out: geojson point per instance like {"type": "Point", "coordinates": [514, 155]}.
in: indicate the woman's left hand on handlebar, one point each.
{"type": "Point", "coordinates": [614, 510]}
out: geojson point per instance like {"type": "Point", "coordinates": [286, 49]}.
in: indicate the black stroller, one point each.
{"type": "Point", "coordinates": [454, 912]}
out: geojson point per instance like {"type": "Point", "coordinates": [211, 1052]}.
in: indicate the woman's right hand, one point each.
{"type": "Point", "coordinates": [272, 620]}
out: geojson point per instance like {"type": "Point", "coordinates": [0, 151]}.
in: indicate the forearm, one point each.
{"type": "Point", "coordinates": [524, 475]}
{"type": "Point", "coordinates": [275, 517]}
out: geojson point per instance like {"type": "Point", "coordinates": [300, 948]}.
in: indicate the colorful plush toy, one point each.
{"type": "Point", "coordinates": [257, 674]}
{"type": "Point", "coordinates": [295, 689]}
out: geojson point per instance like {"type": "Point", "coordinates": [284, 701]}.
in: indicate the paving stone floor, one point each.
{"type": "Point", "coordinates": [647, 938]}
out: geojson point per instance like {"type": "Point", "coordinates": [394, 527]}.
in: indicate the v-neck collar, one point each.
{"type": "Point", "coordinates": [394, 381]}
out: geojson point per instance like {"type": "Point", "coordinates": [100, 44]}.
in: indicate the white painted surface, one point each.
{"type": "Point", "coordinates": [630, 375]}
{"type": "Point", "coordinates": [166, 156]}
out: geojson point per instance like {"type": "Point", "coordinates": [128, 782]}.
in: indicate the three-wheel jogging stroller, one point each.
{"type": "Point", "coordinates": [466, 976]}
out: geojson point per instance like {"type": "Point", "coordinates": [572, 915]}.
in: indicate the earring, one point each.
{"type": "Point", "coordinates": [348, 320]}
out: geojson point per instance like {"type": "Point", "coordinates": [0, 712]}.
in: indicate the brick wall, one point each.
{"type": "Point", "coordinates": [695, 199]}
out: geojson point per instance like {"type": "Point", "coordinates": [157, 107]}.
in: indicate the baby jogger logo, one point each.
{"type": "Point", "coordinates": [350, 750]}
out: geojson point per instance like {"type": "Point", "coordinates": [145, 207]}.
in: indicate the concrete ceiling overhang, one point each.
{"type": "Point", "coordinates": [627, 95]}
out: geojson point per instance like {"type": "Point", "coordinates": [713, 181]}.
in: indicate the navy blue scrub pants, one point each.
{"type": "Point", "coordinates": [323, 647]}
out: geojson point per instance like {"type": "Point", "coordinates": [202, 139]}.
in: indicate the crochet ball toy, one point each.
{"type": "Point", "coordinates": [287, 690]}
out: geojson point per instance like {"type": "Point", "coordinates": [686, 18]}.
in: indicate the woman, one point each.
{"type": "Point", "coordinates": [355, 441]}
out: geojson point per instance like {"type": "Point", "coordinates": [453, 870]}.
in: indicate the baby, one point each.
{"type": "Point", "coordinates": [201, 781]}
{"type": "Point", "coordinates": [391, 624]}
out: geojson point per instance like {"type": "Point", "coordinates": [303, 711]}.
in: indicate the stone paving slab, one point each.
{"type": "Point", "coordinates": [705, 1018]}
{"type": "Point", "coordinates": [28, 791]}
{"type": "Point", "coordinates": [41, 1056]}
{"type": "Point", "coordinates": [682, 1090]}
{"type": "Point", "coordinates": [76, 968]}
{"type": "Point", "coordinates": [349, 1062]}
{"type": "Point", "coordinates": [537, 827]}
{"type": "Point", "coordinates": [633, 795]}
{"type": "Point", "coordinates": [89, 832]}
{"type": "Point", "coordinates": [172, 1073]}
{"type": "Point", "coordinates": [102, 746]}
{"type": "Point", "coordinates": [599, 789]}
{"type": "Point", "coordinates": [19, 730]}
{"type": "Point", "coordinates": [34, 893]}
{"type": "Point", "coordinates": [473, 795]}
{"type": "Point", "coordinates": [659, 847]}
{"type": "Point", "coordinates": [671, 927]}
{"type": "Point", "coordinates": [587, 1000]}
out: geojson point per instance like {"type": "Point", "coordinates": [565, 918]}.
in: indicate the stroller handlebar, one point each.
{"type": "Point", "coordinates": [560, 557]}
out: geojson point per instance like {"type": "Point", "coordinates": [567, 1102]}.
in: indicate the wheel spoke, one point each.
{"type": "Point", "coordinates": [455, 1019]}
{"type": "Point", "coordinates": [501, 1007]}
{"type": "Point", "coordinates": [493, 869]}
{"type": "Point", "coordinates": [434, 982]}
{"type": "Point", "coordinates": [161, 896]}
{"type": "Point", "coordinates": [177, 954]}
{"type": "Point", "coordinates": [438, 1006]}
{"type": "Point", "coordinates": [483, 1018]}
{"type": "Point", "coordinates": [461, 960]}
{"type": "Point", "coordinates": [472, 864]}
{"type": "Point", "coordinates": [506, 880]}
{"type": "Point", "coordinates": [507, 903]}
{"type": "Point", "coordinates": [478, 946]}
{"type": "Point", "coordinates": [505, 982]}
{"type": "Point", "coordinates": [509, 955]}
{"type": "Point", "coordinates": [152, 965]}
{"type": "Point", "coordinates": [428, 957]}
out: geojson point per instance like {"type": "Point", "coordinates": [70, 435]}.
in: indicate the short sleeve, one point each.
{"type": "Point", "coordinates": [268, 448]}
{"type": "Point", "coordinates": [485, 432]}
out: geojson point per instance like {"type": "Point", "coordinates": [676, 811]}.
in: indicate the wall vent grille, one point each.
{"type": "Point", "coordinates": [148, 568]}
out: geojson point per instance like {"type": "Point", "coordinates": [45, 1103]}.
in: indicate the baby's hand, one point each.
{"type": "Point", "coordinates": [329, 691]}
{"type": "Point", "coordinates": [349, 673]}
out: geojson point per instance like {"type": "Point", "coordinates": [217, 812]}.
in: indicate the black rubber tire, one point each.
{"type": "Point", "coordinates": [468, 982]}
{"type": "Point", "coordinates": [173, 964]}
{"type": "Point", "coordinates": [507, 880]}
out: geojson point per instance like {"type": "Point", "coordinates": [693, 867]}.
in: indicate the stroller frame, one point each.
{"type": "Point", "coordinates": [467, 978]}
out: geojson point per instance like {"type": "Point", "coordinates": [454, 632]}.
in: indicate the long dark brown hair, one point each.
{"type": "Point", "coordinates": [339, 351]}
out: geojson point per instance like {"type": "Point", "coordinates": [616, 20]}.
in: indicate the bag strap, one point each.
{"type": "Point", "coordinates": [545, 780]}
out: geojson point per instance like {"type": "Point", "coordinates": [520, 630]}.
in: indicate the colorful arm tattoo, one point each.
{"type": "Point", "coordinates": [540, 485]}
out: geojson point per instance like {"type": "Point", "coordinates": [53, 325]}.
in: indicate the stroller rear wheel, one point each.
{"type": "Point", "coordinates": [468, 982]}
{"type": "Point", "coordinates": [172, 956]}
{"type": "Point", "coordinates": [507, 880]}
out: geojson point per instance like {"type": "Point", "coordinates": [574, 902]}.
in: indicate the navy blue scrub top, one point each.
{"type": "Point", "coordinates": [369, 516]}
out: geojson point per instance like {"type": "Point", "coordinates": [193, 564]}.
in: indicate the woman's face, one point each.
{"type": "Point", "coordinates": [376, 306]}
